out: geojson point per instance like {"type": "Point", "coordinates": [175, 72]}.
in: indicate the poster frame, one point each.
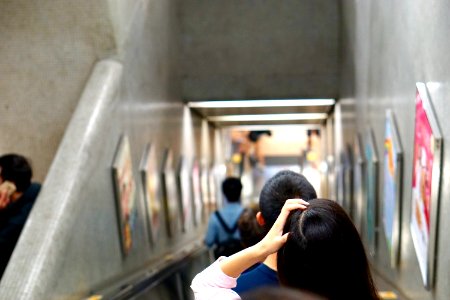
{"type": "Point", "coordinates": [428, 274]}
{"type": "Point", "coordinates": [148, 168]}
{"type": "Point", "coordinates": [205, 189]}
{"type": "Point", "coordinates": [185, 201]}
{"type": "Point", "coordinates": [347, 173]}
{"type": "Point", "coordinates": [372, 207]}
{"type": "Point", "coordinates": [394, 250]}
{"type": "Point", "coordinates": [169, 194]}
{"type": "Point", "coordinates": [197, 197]}
{"type": "Point", "coordinates": [123, 164]}
{"type": "Point", "coordinates": [359, 179]}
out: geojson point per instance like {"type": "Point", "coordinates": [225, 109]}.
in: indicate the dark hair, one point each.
{"type": "Point", "coordinates": [282, 186]}
{"type": "Point", "coordinates": [231, 188]}
{"type": "Point", "coordinates": [17, 169]}
{"type": "Point", "coordinates": [249, 229]}
{"type": "Point", "coordinates": [280, 293]}
{"type": "Point", "coordinates": [324, 254]}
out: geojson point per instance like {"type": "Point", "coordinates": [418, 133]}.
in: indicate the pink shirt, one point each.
{"type": "Point", "coordinates": [212, 283]}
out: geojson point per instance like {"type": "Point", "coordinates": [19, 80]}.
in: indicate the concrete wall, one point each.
{"type": "Point", "coordinates": [388, 47]}
{"type": "Point", "coordinates": [47, 52]}
{"type": "Point", "coordinates": [259, 49]}
{"type": "Point", "coordinates": [137, 94]}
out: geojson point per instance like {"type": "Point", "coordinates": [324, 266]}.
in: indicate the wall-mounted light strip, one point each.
{"type": "Point", "coordinates": [268, 117]}
{"type": "Point", "coordinates": [262, 103]}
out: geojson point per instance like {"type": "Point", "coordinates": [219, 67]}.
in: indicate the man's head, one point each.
{"type": "Point", "coordinates": [231, 188]}
{"type": "Point", "coordinates": [17, 169]}
{"type": "Point", "coordinates": [284, 185]}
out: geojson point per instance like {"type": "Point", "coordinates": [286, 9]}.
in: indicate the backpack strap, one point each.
{"type": "Point", "coordinates": [229, 230]}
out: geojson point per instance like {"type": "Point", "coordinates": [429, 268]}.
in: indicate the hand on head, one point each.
{"type": "Point", "coordinates": [237, 263]}
{"type": "Point", "coordinates": [275, 237]}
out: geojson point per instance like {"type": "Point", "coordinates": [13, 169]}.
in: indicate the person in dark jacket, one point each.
{"type": "Point", "coordinates": [17, 196]}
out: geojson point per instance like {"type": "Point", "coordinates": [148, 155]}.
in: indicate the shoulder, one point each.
{"type": "Point", "coordinates": [257, 277]}
{"type": "Point", "coordinates": [233, 208]}
{"type": "Point", "coordinates": [262, 268]}
{"type": "Point", "coordinates": [33, 191]}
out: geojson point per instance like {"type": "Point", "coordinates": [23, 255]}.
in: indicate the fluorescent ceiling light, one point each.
{"type": "Point", "coordinates": [262, 103]}
{"type": "Point", "coordinates": [268, 117]}
{"type": "Point", "coordinates": [274, 127]}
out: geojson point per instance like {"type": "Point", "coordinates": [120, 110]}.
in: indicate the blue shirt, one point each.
{"type": "Point", "coordinates": [216, 234]}
{"type": "Point", "coordinates": [258, 277]}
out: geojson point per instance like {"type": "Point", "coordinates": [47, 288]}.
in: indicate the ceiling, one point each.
{"type": "Point", "coordinates": [267, 49]}
{"type": "Point", "coordinates": [264, 112]}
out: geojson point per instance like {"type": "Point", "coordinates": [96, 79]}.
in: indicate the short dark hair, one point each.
{"type": "Point", "coordinates": [231, 188]}
{"type": "Point", "coordinates": [17, 169]}
{"type": "Point", "coordinates": [282, 186]}
{"type": "Point", "coordinates": [324, 253]}
{"type": "Point", "coordinates": [249, 229]}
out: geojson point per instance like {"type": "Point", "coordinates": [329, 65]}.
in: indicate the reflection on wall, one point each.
{"type": "Point", "coordinates": [78, 223]}
{"type": "Point", "coordinates": [380, 69]}
{"type": "Point", "coordinates": [47, 54]}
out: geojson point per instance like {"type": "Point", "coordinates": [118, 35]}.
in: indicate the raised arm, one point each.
{"type": "Point", "coordinates": [216, 281]}
{"type": "Point", "coordinates": [234, 265]}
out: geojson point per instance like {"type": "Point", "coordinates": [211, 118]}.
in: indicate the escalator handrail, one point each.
{"type": "Point", "coordinates": [152, 275]}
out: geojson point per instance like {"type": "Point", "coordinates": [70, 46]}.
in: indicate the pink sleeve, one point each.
{"type": "Point", "coordinates": [212, 283]}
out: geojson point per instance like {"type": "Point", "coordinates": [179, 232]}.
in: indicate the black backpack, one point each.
{"type": "Point", "coordinates": [230, 245]}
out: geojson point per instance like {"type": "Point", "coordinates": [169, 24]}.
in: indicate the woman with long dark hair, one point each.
{"type": "Point", "coordinates": [319, 250]}
{"type": "Point", "coordinates": [324, 254]}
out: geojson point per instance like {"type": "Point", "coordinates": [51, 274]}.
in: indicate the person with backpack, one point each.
{"type": "Point", "coordinates": [222, 234]}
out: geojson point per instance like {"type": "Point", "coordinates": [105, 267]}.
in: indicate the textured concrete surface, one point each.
{"type": "Point", "coordinates": [259, 49]}
{"type": "Point", "coordinates": [47, 52]}
{"type": "Point", "coordinates": [34, 270]}
{"type": "Point", "coordinates": [137, 94]}
{"type": "Point", "coordinates": [388, 47]}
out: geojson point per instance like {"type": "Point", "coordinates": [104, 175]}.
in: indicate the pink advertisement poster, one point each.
{"type": "Point", "coordinates": [424, 157]}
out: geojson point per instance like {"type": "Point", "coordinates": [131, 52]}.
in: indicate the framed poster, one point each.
{"type": "Point", "coordinates": [204, 184]}
{"type": "Point", "coordinates": [347, 165]}
{"type": "Point", "coordinates": [125, 192]}
{"type": "Point", "coordinates": [358, 183]}
{"type": "Point", "coordinates": [340, 182]}
{"type": "Point", "coordinates": [169, 192]}
{"type": "Point", "coordinates": [371, 201]}
{"type": "Point", "coordinates": [425, 184]}
{"type": "Point", "coordinates": [212, 189]}
{"type": "Point", "coordinates": [392, 192]}
{"type": "Point", "coordinates": [198, 211]}
{"type": "Point", "coordinates": [150, 182]}
{"type": "Point", "coordinates": [184, 187]}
